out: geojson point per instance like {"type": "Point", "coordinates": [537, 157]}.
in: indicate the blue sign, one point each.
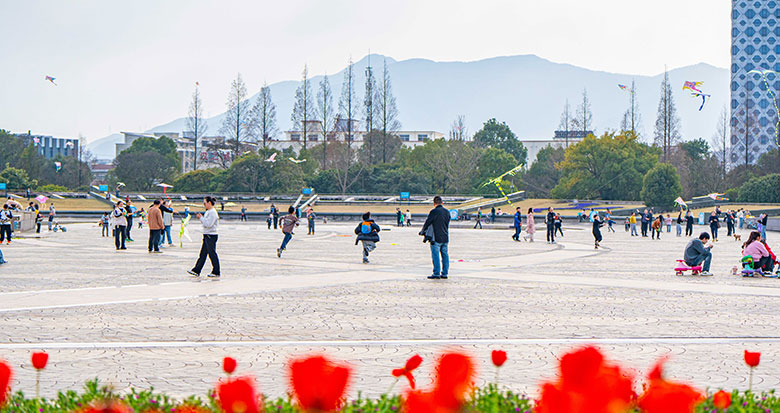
{"type": "Point", "coordinates": [701, 218]}
{"type": "Point", "coordinates": [307, 191]}
{"type": "Point", "coordinates": [454, 214]}
{"type": "Point", "coordinates": [103, 188]}
{"type": "Point", "coordinates": [2, 185]}
{"type": "Point", "coordinates": [404, 196]}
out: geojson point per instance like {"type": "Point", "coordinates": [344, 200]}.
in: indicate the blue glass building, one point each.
{"type": "Point", "coordinates": [755, 31]}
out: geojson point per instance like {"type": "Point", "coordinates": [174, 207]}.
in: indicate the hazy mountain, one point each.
{"type": "Point", "coordinates": [526, 91]}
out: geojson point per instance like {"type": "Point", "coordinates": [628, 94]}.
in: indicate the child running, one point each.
{"type": "Point", "coordinates": [289, 222]}
{"type": "Point", "coordinates": [368, 233]}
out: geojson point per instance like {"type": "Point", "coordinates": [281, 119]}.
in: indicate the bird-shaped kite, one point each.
{"type": "Point", "coordinates": [693, 86]}
{"type": "Point", "coordinates": [271, 158]}
{"type": "Point", "coordinates": [703, 97]}
{"type": "Point", "coordinates": [51, 79]}
{"type": "Point", "coordinates": [293, 160]}
{"type": "Point", "coordinates": [623, 87]}
{"type": "Point", "coordinates": [717, 197]}
{"type": "Point", "coordinates": [57, 166]}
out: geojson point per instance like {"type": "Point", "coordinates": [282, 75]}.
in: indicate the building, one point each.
{"type": "Point", "coordinates": [754, 46]}
{"type": "Point", "coordinates": [559, 140]}
{"type": "Point", "coordinates": [315, 135]}
{"type": "Point", "coordinates": [184, 146]}
{"type": "Point", "coordinates": [51, 147]}
{"type": "Point", "coordinates": [100, 172]}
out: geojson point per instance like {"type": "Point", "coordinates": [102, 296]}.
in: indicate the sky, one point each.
{"type": "Point", "coordinates": [132, 65]}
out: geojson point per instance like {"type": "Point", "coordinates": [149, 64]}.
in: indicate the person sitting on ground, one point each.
{"type": "Point", "coordinates": [367, 232]}
{"type": "Point", "coordinates": [771, 255]}
{"type": "Point", "coordinates": [756, 249]}
{"type": "Point", "coordinates": [697, 252]}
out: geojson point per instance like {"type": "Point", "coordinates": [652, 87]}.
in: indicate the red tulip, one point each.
{"type": "Point", "coordinates": [229, 365]}
{"type": "Point", "coordinates": [586, 383]}
{"type": "Point", "coordinates": [454, 380]}
{"type": "Point", "coordinates": [663, 396]}
{"type": "Point", "coordinates": [39, 360]}
{"type": "Point", "coordinates": [110, 406]}
{"type": "Point", "coordinates": [498, 357]}
{"type": "Point", "coordinates": [238, 395]}
{"type": "Point", "coordinates": [752, 359]}
{"type": "Point", "coordinates": [319, 384]}
{"type": "Point", "coordinates": [5, 381]}
{"type": "Point", "coordinates": [410, 366]}
{"type": "Point", "coordinates": [721, 399]}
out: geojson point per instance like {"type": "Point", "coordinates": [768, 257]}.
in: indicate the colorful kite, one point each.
{"type": "Point", "coordinates": [57, 166]}
{"type": "Point", "coordinates": [69, 144]}
{"type": "Point", "coordinates": [693, 86]}
{"type": "Point", "coordinates": [293, 160]}
{"type": "Point", "coordinates": [623, 87]}
{"type": "Point", "coordinates": [36, 141]}
{"type": "Point", "coordinates": [680, 202]}
{"type": "Point", "coordinates": [41, 199]}
{"type": "Point", "coordinates": [183, 233]}
{"type": "Point", "coordinates": [717, 197]}
{"type": "Point", "coordinates": [271, 158]}
{"type": "Point", "coordinates": [51, 79]}
{"type": "Point", "coordinates": [764, 73]}
{"type": "Point", "coordinates": [497, 181]}
{"type": "Point", "coordinates": [165, 189]}
{"type": "Point", "coordinates": [703, 99]}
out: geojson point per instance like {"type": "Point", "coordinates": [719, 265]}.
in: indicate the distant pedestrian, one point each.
{"type": "Point", "coordinates": [119, 218]}
{"type": "Point", "coordinates": [741, 217]}
{"type": "Point", "coordinates": [597, 224]}
{"type": "Point", "coordinates": [6, 220]}
{"type": "Point", "coordinates": [436, 230]}
{"type": "Point", "coordinates": [310, 217]}
{"type": "Point", "coordinates": [610, 221]}
{"type": "Point", "coordinates": [155, 227]}
{"type": "Point", "coordinates": [763, 220]}
{"type": "Point", "coordinates": [104, 221]}
{"type": "Point", "coordinates": [398, 217]}
{"type": "Point", "coordinates": [167, 214]}
{"type": "Point", "coordinates": [530, 225]}
{"type": "Point", "coordinates": [679, 224]}
{"type": "Point", "coordinates": [656, 227]}
{"type": "Point", "coordinates": [289, 222]}
{"type": "Point", "coordinates": [269, 220]}
{"type": "Point", "coordinates": [689, 225]}
{"type": "Point", "coordinates": [668, 222]}
{"type": "Point", "coordinates": [131, 209]}
{"type": "Point", "coordinates": [275, 214]}
{"type": "Point", "coordinates": [492, 215]}
{"type": "Point", "coordinates": [550, 221]}
{"type": "Point", "coordinates": [645, 222]}
{"type": "Point", "coordinates": [558, 224]}
{"type": "Point", "coordinates": [632, 222]}
{"type": "Point", "coordinates": [243, 213]}
{"type": "Point", "coordinates": [479, 219]}
{"type": "Point", "coordinates": [367, 233]}
{"type": "Point", "coordinates": [408, 218]}
{"type": "Point", "coordinates": [52, 214]}
{"type": "Point", "coordinates": [210, 222]}
{"type": "Point", "coordinates": [714, 225]}
{"type": "Point", "coordinates": [518, 222]}
{"type": "Point", "coordinates": [28, 194]}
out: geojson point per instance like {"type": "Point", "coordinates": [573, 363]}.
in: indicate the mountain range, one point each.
{"type": "Point", "coordinates": [525, 91]}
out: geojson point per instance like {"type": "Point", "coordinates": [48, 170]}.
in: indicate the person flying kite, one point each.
{"type": "Point", "coordinates": [51, 79]}
{"type": "Point", "coordinates": [692, 86]}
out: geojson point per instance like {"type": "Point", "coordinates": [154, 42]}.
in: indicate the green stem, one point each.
{"type": "Point", "coordinates": [750, 380]}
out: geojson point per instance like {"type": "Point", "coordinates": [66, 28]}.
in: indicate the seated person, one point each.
{"type": "Point", "coordinates": [754, 248]}
{"type": "Point", "coordinates": [771, 255]}
{"type": "Point", "coordinates": [697, 253]}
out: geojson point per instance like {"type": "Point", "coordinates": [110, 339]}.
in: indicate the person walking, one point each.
{"type": "Point", "coordinates": [6, 218]}
{"type": "Point", "coordinates": [597, 224]}
{"type": "Point", "coordinates": [167, 215]}
{"type": "Point", "coordinates": [610, 221]}
{"type": "Point", "coordinates": [275, 214]}
{"type": "Point", "coordinates": [714, 225]}
{"type": "Point", "coordinates": [679, 224]}
{"type": "Point", "coordinates": [52, 214]}
{"type": "Point", "coordinates": [155, 226]}
{"type": "Point", "coordinates": [289, 222]}
{"type": "Point", "coordinates": [119, 218]}
{"type": "Point", "coordinates": [479, 219]}
{"type": "Point", "coordinates": [437, 231]}
{"type": "Point", "coordinates": [408, 219]}
{"type": "Point", "coordinates": [530, 225]}
{"type": "Point", "coordinates": [104, 220]}
{"type": "Point", "coordinates": [518, 222]}
{"type": "Point", "coordinates": [632, 222]}
{"type": "Point", "coordinates": [210, 222]}
{"type": "Point", "coordinates": [398, 215]}
{"type": "Point", "coordinates": [367, 232]}
{"type": "Point", "coordinates": [310, 217]}
{"type": "Point", "coordinates": [550, 221]}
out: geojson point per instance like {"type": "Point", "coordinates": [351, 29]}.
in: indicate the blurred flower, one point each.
{"type": "Point", "coordinates": [5, 381]}
{"type": "Point", "coordinates": [318, 383]}
{"type": "Point", "coordinates": [108, 406]}
{"type": "Point", "coordinates": [229, 365]}
{"type": "Point", "coordinates": [238, 395]}
{"type": "Point", "coordinates": [586, 383]}
{"type": "Point", "coordinates": [752, 359]}
{"type": "Point", "coordinates": [410, 366]}
{"type": "Point", "coordinates": [663, 396]}
{"type": "Point", "coordinates": [454, 380]}
{"type": "Point", "coordinates": [39, 360]}
{"type": "Point", "coordinates": [721, 399]}
{"type": "Point", "coordinates": [498, 357]}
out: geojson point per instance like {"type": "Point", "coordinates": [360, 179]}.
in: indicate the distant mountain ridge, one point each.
{"type": "Point", "coordinates": [525, 91]}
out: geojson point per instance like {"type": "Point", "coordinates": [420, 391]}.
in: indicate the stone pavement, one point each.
{"type": "Point", "coordinates": [133, 318]}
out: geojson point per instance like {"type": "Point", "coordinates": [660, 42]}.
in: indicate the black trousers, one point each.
{"type": "Point", "coordinates": [550, 233]}
{"type": "Point", "coordinates": [129, 227]}
{"type": "Point", "coordinates": [208, 247]}
{"type": "Point", "coordinates": [5, 233]}
{"type": "Point", "coordinates": [597, 236]}
{"type": "Point", "coordinates": [688, 230]}
{"type": "Point", "coordinates": [276, 221]}
{"type": "Point", "coordinates": [119, 236]}
{"type": "Point", "coordinates": [729, 228]}
{"type": "Point", "coordinates": [644, 229]}
{"type": "Point", "coordinates": [766, 264]}
{"type": "Point", "coordinates": [154, 239]}
{"type": "Point", "coordinates": [558, 229]}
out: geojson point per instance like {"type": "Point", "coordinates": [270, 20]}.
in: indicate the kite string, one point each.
{"type": "Point", "coordinates": [777, 109]}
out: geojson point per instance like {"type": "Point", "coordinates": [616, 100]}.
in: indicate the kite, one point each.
{"type": "Point", "coordinates": [57, 166]}
{"type": "Point", "coordinates": [296, 160]}
{"type": "Point", "coordinates": [764, 73]}
{"type": "Point", "coordinates": [623, 87]}
{"type": "Point", "coordinates": [497, 181]}
{"type": "Point", "coordinates": [165, 189]}
{"type": "Point", "coordinates": [41, 199]}
{"type": "Point", "coordinates": [183, 230]}
{"type": "Point", "coordinates": [69, 144]}
{"type": "Point", "coordinates": [51, 79]}
{"type": "Point", "coordinates": [197, 83]}
{"type": "Point", "coordinates": [717, 197]}
{"type": "Point", "coordinates": [271, 158]}
{"type": "Point", "coordinates": [703, 97]}
{"type": "Point", "coordinates": [680, 202]}
{"type": "Point", "coordinates": [36, 141]}
{"type": "Point", "coordinates": [693, 86]}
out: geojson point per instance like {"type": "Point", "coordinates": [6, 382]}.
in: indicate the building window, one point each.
{"type": "Point", "coordinates": [314, 137]}
{"type": "Point", "coordinates": [295, 137]}
{"type": "Point", "coordinates": [404, 137]}
{"type": "Point", "coordinates": [422, 137]}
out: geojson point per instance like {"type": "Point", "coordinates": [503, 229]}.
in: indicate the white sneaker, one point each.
{"type": "Point", "coordinates": [705, 273]}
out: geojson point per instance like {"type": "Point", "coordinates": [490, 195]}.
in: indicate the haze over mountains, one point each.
{"type": "Point", "coordinates": [525, 91]}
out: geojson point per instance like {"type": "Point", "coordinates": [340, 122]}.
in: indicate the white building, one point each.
{"type": "Point", "coordinates": [558, 141]}
{"type": "Point", "coordinates": [315, 135]}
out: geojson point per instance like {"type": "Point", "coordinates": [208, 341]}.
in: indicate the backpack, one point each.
{"type": "Point", "coordinates": [365, 227]}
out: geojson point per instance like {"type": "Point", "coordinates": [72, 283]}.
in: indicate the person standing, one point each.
{"type": "Point", "coordinates": [6, 218]}
{"type": "Point", "coordinates": [28, 194]}
{"type": "Point", "coordinates": [275, 214]}
{"type": "Point", "coordinates": [119, 218]}
{"type": "Point", "coordinates": [550, 221]}
{"type": "Point", "coordinates": [210, 222]}
{"type": "Point", "coordinates": [714, 224]}
{"type": "Point", "coordinates": [764, 220]}
{"type": "Point", "coordinates": [530, 225]}
{"type": "Point", "coordinates": [741, 217]}
{"type": "Point", "coordinates": [52, 213]}
{"type": "Point", "coordinates": [689, 225]}
{"type": "Point", "coordinates": [479, 219]}
{"type": "Point", "coordinates": [439, 221]}
{"type": "Point", "coordinates": [610, 222]}
{"type": "Point", "coordinates": [558, 224]}
{"type": "Point", "coordinates": [243, 213]}
{"type": "Point", "coordinates": [368, 233]}
{"type": "Point", "coordinates": [408, 218]}
{"type": "Point", "coordinates": [518, 221]}
{"type": "Point", "coordinates": [310, 217]}
{"type": "Point", "coordinates": [289, 222]}
{"type": "Point", "coordinates": [104, 221]}
{"type": "Point", "coordinates": [668, 222]}
{"type": "Point", "coordinates": [645, 222]}
{"type": "Point", "coordinates": [398, 215]}
{"type": "Point", "coordinates": [679, 224]}
{"type": "Point", "coordinates": [130, 208]}
{"type": "Point", "coordinates": [729, 223]}
{"type": "Point", "coordinates": [632, 222]}
{"type": "Point", "coordinates": [493, 215]}
{"type": "Point", "coordinates": [597, 224]}
{"type": "Point", "coordinates": [167, 216]}
{"type": "Point", "coordinates": [155, 226]}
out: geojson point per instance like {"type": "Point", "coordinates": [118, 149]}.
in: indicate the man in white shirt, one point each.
{"type": "Point", "coordinates": [210, 222]}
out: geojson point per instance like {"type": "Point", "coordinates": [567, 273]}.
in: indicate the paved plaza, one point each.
{"type": "Point", "coordinates": [133, 318]}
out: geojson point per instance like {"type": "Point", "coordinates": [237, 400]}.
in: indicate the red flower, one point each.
{"type": "Point", "coordinates": [752, 359]}
{"type": "Point", "coordinates": [39, 360]}
{"type": "Point", "coordinates": [586, 383]}
{"type": "Point", "coordinates": [454, 380]}
{"type": "Point", "coordinates": [423, 402]}
{"type": "Point", "coordinates": [229, 365]}
{"type": "Point", "coordinates": [721, 400]}
{"type": "Point", "coordinates": [5, 381]}
{"type": "Point", "coordinates": [110, 406]}
{"type": "Point", "coordinates": [498, 357]}
{"type": "Point", "coordinates": [318, 383]}
{"type": "Point", "coordinates": [238, 395]}
{"type": "Point", "coordinates": [410, 366]}
{"type": "Point", "coordinates": [663, 396]}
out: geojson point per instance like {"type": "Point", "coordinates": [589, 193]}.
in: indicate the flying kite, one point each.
{"type": "Point", "coordinates": [623, 87]}
{"type": "Point", "coordinates": [717, 197]}
{"type": "Point", "coordinates": [764, 73]}
{"type": "Point", "coordinates": [51, 79]}
{"type": "Point", "coordinates": [679, 201]}
{"type": "Point", "coordinates": [693, 86]}
{"type": "Point", "coordinates": [183, 230]}
{"type": "Point", "coordinates": [69, 144]}
{"type": "Point", "coordinates": [293, 160]}
{"type": "Point", "coordinates": [703, 97]}
{"type": "Point", "coordinates": [165, 187]}
{"type": "Point", "coordinates": [497, 181]}
{"type": "Point", "coordinates": [57, 166]}
{"type": "Point", "coordinates": [271, 158]}
{"type": "Point", "coordinates": [36, 141]}
{"type": "Point", "coordinates": [41, 199]}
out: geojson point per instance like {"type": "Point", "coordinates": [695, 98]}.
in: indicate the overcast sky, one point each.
{"type": "Point", "coordinates": [132, 65]}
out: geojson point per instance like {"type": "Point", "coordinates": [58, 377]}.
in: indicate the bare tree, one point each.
{"type": "Point", "coordinates": [458, 130]}
{"type": "Point", "coordinates": [456, 161]}
{"type": "Point", "coordinates": [304, 108]}
{"type": "Point", "coordinates": [235, 126]}
{"type": "Point", "coordinates": [720, 141]}
{"type": "Point", "coordinates": [368, 109]}
{"type": "Point", "coordinates": [584, 119]}
{"type": "Point", "coordinates": [667, 124]}
{"type": "Point", "coordinates": [325, 113]}
{"type": "Point", "coordinates": [386, 111]}
{"type": "Point", "coordinates": [567, 122]}
{"type": "Point", "coordinates": [196, 124]}
{"type": "Point", "coordinates": [348, 106]}
{"type": "Point", "coordinates": [632, 119]}
{"type": "Point", "coordinates": [263, 124]}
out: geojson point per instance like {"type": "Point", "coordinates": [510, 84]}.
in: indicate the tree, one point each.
{"type": "Point", "coordinates": [235, 123]}
{"type": "Point", "coordinates": [348, 106]}
{"type": "Point", "coordinates": [661, 186]}
{"type": "Point", "coordinates": [667, 124]}
{"type": "Point", "coordinates": [632, 119]}
{"type": "Point", "coordinates": [584, 118]}
{"type": "Point", "coordinates": [697, 149]}
{"type": "Point", "coordinates": [303, 110]}
{"type": "Point", "coordinates": [498, 135]}
{"type": "Point", "coordinates": [368, 107]}
{"type": "Point", "coordinates": [325, 113]}
{"type": "Point", "coordinates": [386, 112]}
{"type": "Point", "coordinates": [456, 161]}
{"type": "Point", "coordinates": [608, 167]}
{"type": "Point", "coordinates": [566, 121]}
{"type": "Point", "coordinates": [720, 141]}
{"type": "Point", "coordinates": [146, 162]}
{"type": "Point", "coordinates": [458, 130]}
{"type": "Point", "coordinates": [389, 146]}
{"type": "Point", "coordinates": [250, 173]}
{"type": "Point", "coordinates": [761, 189]}
{"type": "Point", "coordinates": [769, 162]}
{"type": "Point", "coordinates": [16, 178]}
{"type": "Point", "coordinates": [195, 181]}
{"type": "Point", "coordinates": [544, 173]}
{"type": "Point", "coordinates": [492, 163]}
{"type": "Point", "coordinates": [263, 124]}
{"type": "Point", "coordinates": [746, 126]}
{"type": "Point", "coordinates": [196, 123]}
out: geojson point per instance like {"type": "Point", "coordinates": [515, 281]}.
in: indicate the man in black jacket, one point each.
{"type": "Point", "coordinates": [439, 220]}
{"type": "Point", "coordinates": [688, 224]}
{"type": "Point", "coordinates": [550, 221]}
